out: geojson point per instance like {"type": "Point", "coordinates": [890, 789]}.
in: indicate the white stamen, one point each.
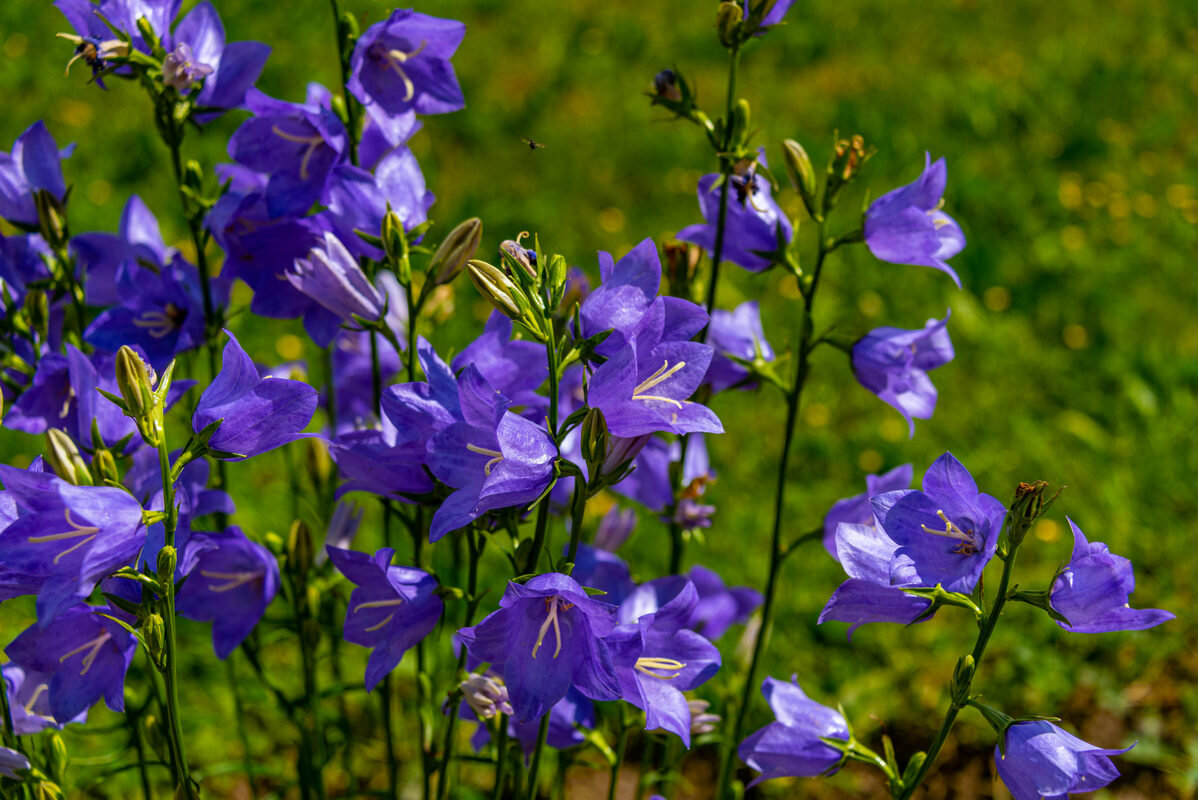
{"type": "Point", "coordinates": [312, 141]}
{"type": "Point", "coordinates": [496, 457]}
{"type": "Point", "coordinates": [93, 648]}
{"type": "Point", "coordinates": [378, 604]}
{"type": "Point", "coordinates": [156, 323]}
{"type": "Point", "coordinates": [551, 604]}
{"type": "Point", "coordinates": [395, 60]}
{"type": "Point", "coordinates": [660, 376]}
{"type": "Point", "coordinates": [235, 579]}
{"type": "Point", "coordinates": [968, 545]}
{"type": "Point", "coordinates": [646, 665]}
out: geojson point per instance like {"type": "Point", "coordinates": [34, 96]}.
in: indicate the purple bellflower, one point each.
{"type": "Point", "coordinates": [391, 609]}
{"type": "Point", "coordinates": [255, 414]}
{"type": "Point", "coordinates": [772, 17]}
{"type": "Point", "coordinates": [856, 509]}
{"type": "Point", "coordinates": [1092, 591]}
{"type": "Point", "coordinates": [358, 200]}
{"type": "Point", "coordinates": [735, 333]}
{"type": "Point", "coordinates": [792, 745]}
{"type": "Point", "coordinates": [894, 363]}
{"type": "Point", "coordinates": [35, 164]}
{"type": "Point", "coordinates": [515, 368]}
{"type": "Point", "coordinates": [29, 701]}
{"type": "Point", "coordinates": [906, 225]}
{"type": "Point", "coordinates": [107, 257]}
{"type": "Point", "coordinates": [331, 276]}
{"type": "Point", "coordinates": [85, 656]}
{"type": "Point", "coordinates": [401, 65]}
{"type": "Point", "coordinates": [493, 458]}
{"type": "Point", "coordinates": [12, 762]}
{"type": "Point", "coordinates": [600, 569]}
{"type": "Point", "coordinates": [657, 658]}
{"type": "Point", "coordinates": [755, 223]}
{"type": "Point", "coordinates": [232, 583]}
{"type": "Point", "coordinates": [1043, 762]}
{"type": "Point", "coordinates": [343, 527]}
{"type": "Point", "coordinates": [719, 608]}
{"type": "Point", "coordinates": [549, 635]}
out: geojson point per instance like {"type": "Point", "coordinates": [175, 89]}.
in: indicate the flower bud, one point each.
{"type": "Point", "coordinates": [63, 457]}
{"type": "Point", "coordinates": [802, 174]}
{"type": "Point", "coordinates": [962, 678]}
{"type": "Point", "coordinates": [193, 175]}
{"type": "Point", "coordinates": [728, 23]}
{"type": "Point", "coordinates": [850, 155]}
{"type": "Point", "coordinates": [299, 548]}
{"type": "Point", "coordinates": [594, 439]}
{"type": "Point", "coordinates": [486, 696]}
{"type": "Point", "coordinates": [155, 736]}
{"type": "Point", "coordinates": [394, 242]}
{"type": "Point", "coordinates": [665, 83]}
{"type": "Point", "coordinates": [153, 632]}
{"type": "Point", "coordinates": [740, 127]}
{"type": "Point", "coordinates": [681, 261]}
{"type": "Point", "coordinates": [320, 466]}
{"type": "Point", "coordinates": [459, 247]}
{"type": "Point", "coordinates": [495, 287]}
{"type": "Point", "coordinates": [59, 757]}
{"type": "Point", "coordinates": [523, 258]}
{"type": "Point", "coordinates": [701, 721]}
{"type": "Point", "coordinates": [37, 307]}
{"type": "Point", "coordinates": [166, 564]}
{"type": "Point", "coordinates": [51, 218]}
{"type": "Point", "coordinates": [147, 32]}
{"type": "Point", "coordinates": [133, 380]}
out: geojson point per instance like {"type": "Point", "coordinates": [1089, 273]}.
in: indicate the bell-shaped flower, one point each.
{"type": "Point", "coordinates": [657, 658]}
{"type": "Point", "coordinates": [255, 414]}
{"type": "Point", "coordinates": [1040, 761]}
{"type": "Point", "coordinates": [22, 261]}
{"type": "Point", "coordinates": [331, 276]}
{"type": "Point", "coordinates": [893, 363]}
{"type": "Point", "coordinates": [232, 583]}
{"type": "Point", "coordinates": [390, 610]}
{"type": "Point", "coordinates": [906, 225]}
{"type": "Point", "coordinates": [421, 409]}
{"type": "Point", "coordinates": [64, 539]}
{"type": "Point", "coordinates": [866, 553]}
{"type": "Point", "coordinates": [856, 509]}
{"type": "Point", "coordinates": [84, 654]}
{"type": "Point", "coordinates": [599, 569]}
{"type": "Point", "coordinates": [358, 200]}
{"type": "Point", "coordinates": [946, 534]}
{"type": "Point", "coordinates": [719, 607]}
{"type": "Point", "coordinates": [297, 145]}
{"type": "Point", "coordinates": [793, 745]}
{"type": "Point", "coordinates": [34, 165]}
{"type": "Point", "coordinates": [615, 528]}
{"type": "Point", "coordinates": [514, 367]}
{"type": "Point", "coordinates": [493, 458]}
{"type": "Point", "coordinates": [736, 333]}
{"type": "Point", "coordinates": [12, 763]}
{"type": "Point", "coordinates": [29, 701]}
{"type": "Point", "coordinates": [568, 715]}
{"type": "Point", "coordinates": [401, 65]}
{"type": "Point", "coordinates": [373, 461]}
{"type": "Point", "coordinates": [548, 634]}
{"type": "Point", "coordinates": [755, 225]}
{"type": "Point", "coordinates": [106, 258]}
{"type": "Point", "coordinates": [1093, 590]}
{"type": "Point", "coordinates": [773, 16]}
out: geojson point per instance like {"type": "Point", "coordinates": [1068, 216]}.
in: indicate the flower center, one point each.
{"type": "Point", "coordinates": [312, 141]}
{"type": "Point", "coordinates": [968, 542]}
{"type": "Point", "coordinates": [552, 605]}
{"type": "Point", "coordinates": [661, 376]}
{"type": "Point", "coordinates": [232, 579]}
{"type": "Point", "coordinates": [92, 648]}
{"type": "Point", "coordinates": [496, 457]}
{"type": "Point", "coordinates": [394, 60]}
{"type": "Point", "coordinates": [160, 324]}
{"type": "Point", "coordinates": [379, 604]}
{"type": "Point", "coordinates": [33, 700]}
{"type": "Point", "coordinates": [645, 666]}
{"type": "Point", "coordinates": [77, 531]}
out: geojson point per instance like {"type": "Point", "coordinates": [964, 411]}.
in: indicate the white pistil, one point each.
{"type": "Point", "coordinates": [77, 530]}
{"type": "Point", "coordinates": [157, 323]}
{"type": "Point", "coordinates": [395, 60]}
{"type": "Point", "coordinates": [661, 376]}
{"type": "Point", "coordinates": [496, 457]}
{"type": "Point", "coordinates": [235, 579]}
{"type": "Point", "coordinates": [645, 666]}
{"type": "Point", "coordinates": [968, 544]}
{"type": "Point", "coordinates": [32, 700]}
{"type": "Point", "coordinates": [378, 604]}
{"type": "Point", "coordinates": [93, 648]}
{"type": "Point", "coordinates": [551, 605]}
{"type": "Point", "coordinates": [381, 624]}
{"type": "Point", "coordinates": [312, 141]}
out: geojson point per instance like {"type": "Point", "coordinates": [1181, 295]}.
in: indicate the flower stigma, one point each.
{"type": "Point", "coordinates": [968, 545]}
{"type": "Point", "coordinates": [663, 374]}
{"type": "Point", "coordinates": [552, 605]}
{"type": "Point", "coordinates": [645, 666]}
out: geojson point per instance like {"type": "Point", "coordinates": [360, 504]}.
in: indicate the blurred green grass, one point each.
{"type": "Point", "coordinates": [1070, 132]}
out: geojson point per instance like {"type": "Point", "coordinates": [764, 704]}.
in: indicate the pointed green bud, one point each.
{"type": "Point", "coordinates": [133, 380]}
{"type": "Point", "coordinates": [63, 457]}
{"type": "Point", "coordinates": [728, 23]}
{"type": "Point", "coordinates": [193, 175]}
{"type": "Point", "coordinates": [166, 564]}
{"type": "Point", "coordinates": [59, 757]}
{"type": "Point", "coordinates": [51, 218]}
{"type": "Point", "coordinates": [37, 307]}
{"type": "Point", "coordinates": [147, 32]}
{"type": "Point", "coordinates": [104, 467]}
{"type": "Point", "coordinates": [913, 766]}
{"type": "Point", "coordinates": [962, 679]}
{"type": "Point", "coordinates": [153, 632]}
{"type": "Point", "coordinates": [800, 171]}
{"type": "Point", "coordinates": [299, 548]}
{"type": "Point", "coordinates": [496, 288]}
{"type": "Point", "coordinates": [393, 236]}
{"type": "Point", "coordinates": [594, 440]}
{"type": "Point", "coordinates": [458, 247]}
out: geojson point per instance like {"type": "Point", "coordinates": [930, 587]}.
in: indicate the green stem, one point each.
{"type": "Point", "coordinates": [726, 166]}
{"type": "Point", "coordinates": [239, 715]}
{"type": "Point", "coordinates": [538, 541]}
{"type": "Point", "coordinates": [351, 110]}
{"type": "Point", "coordinates": [806, 345]}
{"type": "Point", "coordinates": [535, 768]}
{"type": "Point", "coordinates": [621, 746]}
{"type": "Point", "coordinates": [451, 725]}
{"type": "Point", "coordinates": [501, 758]}
{"type": "Point", "coordinates": [955, 705]}
{"type": "Point", "coordinates": [142, 773]}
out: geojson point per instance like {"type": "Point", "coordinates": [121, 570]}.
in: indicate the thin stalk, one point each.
{"type": "Point", "coordinates": [142, 773]}
{"type": "Point", "coordinates": [538, 541]}
{"type": "Point", "coordinates": [726, 166]}
{"type": "Point", "coordinates": [501, 758]}
{"type": "Point", "coordinates": [351, 110]}
{"type": "Point", "coordinates": [239, 715]}
{"type": "Point", "coordinates": [955, 706]}
{"type": "Point", "coordinates": [621, 746]}
{"type": "Point", "coordinates": [8, 733]}
{"type": "Point", "coordinates": [535, 768]}
{"type": "Point", "coordinates": [451, 725]}
{"type": "Point", "coordinates": [806, 345]}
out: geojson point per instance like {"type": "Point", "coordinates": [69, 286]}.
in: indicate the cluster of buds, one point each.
{"type": "Point", "coordinates": [848, 157]}
{"type": "Point", "coordinates": [527, 287]}
{"type": "Point", "coordinates": [486, 696]}
{"type": "Point", "coordinates": [139, 398]}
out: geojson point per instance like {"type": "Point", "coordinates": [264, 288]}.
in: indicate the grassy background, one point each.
{"type": "Point", "coordinates": [1069, 131]}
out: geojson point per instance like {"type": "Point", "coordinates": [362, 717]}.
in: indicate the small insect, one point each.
{"type": "Point", "coordinates": [532, 144]}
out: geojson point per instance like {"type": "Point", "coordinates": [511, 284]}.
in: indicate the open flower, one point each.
{"type": "Point", "coordinates": [792, 745]}
{"type": "Point", "coordinates": [1043, 762]}
{"type": "Point", "coordinates": [1092, 591]}
{"type": "Point", "coordinates": [35, 164]}
{"type": "Point", "coordinates": [736, 333]}
{"type": "Point", "coordinates": [906, 225]}
{"type": "Point", "coordinates": [894, 363]}
{"type": "Point", "coordinates": [856, 509]}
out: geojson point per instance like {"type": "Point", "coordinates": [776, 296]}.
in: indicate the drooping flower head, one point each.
{"type": "Point", "coordinates": [548, 635]}
{"type": "Point", "coordinates": [1092, 591]}
{"type": "Point", "coordinates": [792, 745]}
{"type": "Point", "coordinates": [856, 509]}
{"type": "Point", "coordinates": [906, 225]}
{"type": "Point", "coordinates": [1040, 761]}
{"type": "Point", "coordinates": [391, 609]}
{"type": "Point", "coordinates": [894, 363]}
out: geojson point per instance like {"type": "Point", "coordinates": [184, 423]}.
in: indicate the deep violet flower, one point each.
{"type": "Point", "coordinates": [29, 701]}
{"type": "Point", "coordinates": [549, 635]}
{"type": "Point", "coordinates": [856, 509]}
{"type": "Point", "coordinates": [602, 570]}
{"type": "Point", "coordinates": [232, 583]}
{"type": "Point", "coordinates": [255, 414]}
{"type": "Point", "coordinates": [391, 609]}
{"type": "Point", "coordinates": [906, 225]}
{"type": "Point", "coordinates": [35, 164]}
{"type": "Point", "coordinates": [1092, 591]}
{"type": "Point", "coordinates": [894, 363]}
{"type": "Point", "coordinates": [1043, 762]}
{"type": "Point", "coordinates": [719, 607]}
{"type": "Point", "coordinates": [793, 744]}
{"type": "Point", "coordinates": [737, 333]}
{"type": "Point", "coordinates": [331, 276]}
{"type": "Point", "coordinates": [514, 367]}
